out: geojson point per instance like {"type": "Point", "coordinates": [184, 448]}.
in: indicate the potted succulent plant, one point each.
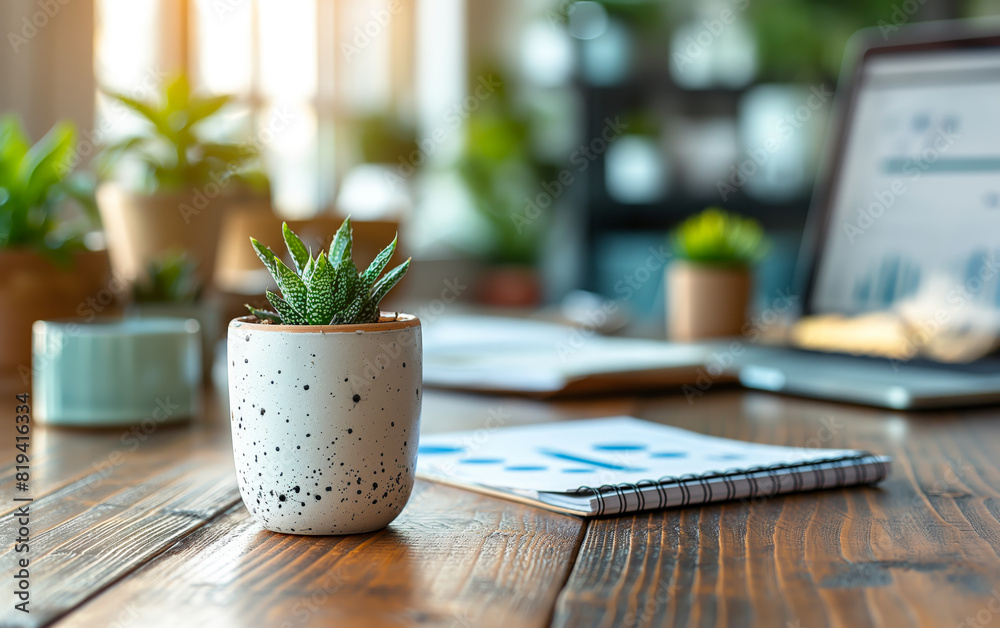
{"type": "Point", "coordinates": [709, 285]}
{"type": "Point", "coordinates": [325, 394]}
{"type": "Point", "coordinates": [187, 182]}
{"type": "Point", "coordinates": [45, 269]}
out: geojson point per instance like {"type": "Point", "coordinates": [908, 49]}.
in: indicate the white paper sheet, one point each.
{"type": "Point", "coordinates": [564, 456]}
{"type": "Point", "coordinates": [496, 353]}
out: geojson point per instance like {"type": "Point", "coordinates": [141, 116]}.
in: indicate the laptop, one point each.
{"type": "Point", "coordinates": [906, 213]}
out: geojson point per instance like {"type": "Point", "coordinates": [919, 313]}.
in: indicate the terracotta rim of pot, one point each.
{"type": "Point", "coordinates": [386, 322]}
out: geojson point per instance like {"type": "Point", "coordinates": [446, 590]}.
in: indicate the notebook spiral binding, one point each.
{"type": "Point", "coordinates": [729, 476]}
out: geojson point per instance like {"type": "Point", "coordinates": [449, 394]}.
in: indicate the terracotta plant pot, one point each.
{"type": "Point", "coordinates": [706, 301]}
{"type": "Point", "coordinates": [141, 228]}
{"type": "Point", "coordinates": [325, 422]}
{"type": "Point", "coordinates": [510, 286]}
{"type": "Point", "coordinates": [34, 288]}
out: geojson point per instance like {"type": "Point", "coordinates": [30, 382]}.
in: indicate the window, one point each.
{"type": "Point", "coordinates": [300, 71]}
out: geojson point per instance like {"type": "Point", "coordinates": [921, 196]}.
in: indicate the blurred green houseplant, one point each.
{"type": "Point", "coordinates": [188, 181]}
{"type": "Point", "coordinates": [173, 150]}
{"type": "Point", "coordinates": [45, 270]}
{"type": "Point", "coordinates": [710, 283]}
{"type": "Point", "coordinates": [36, 185]}
{"type": "Point", "coordinates": [169, 279]}
{"type": "Point", "coordinates": [718, 238]}
{"type": "Point", "coordinates": [816, 30]}
{"type": "Point", "coordinates": [500, 171]}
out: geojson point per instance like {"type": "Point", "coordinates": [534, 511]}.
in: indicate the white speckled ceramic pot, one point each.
{"type": "Point", "coordinates": [325, 422]}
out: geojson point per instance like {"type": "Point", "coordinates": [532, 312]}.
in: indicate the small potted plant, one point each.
{"type": "Point", "coordinates": [45, 211]}
{"type": "Point", "coordinates": [710, 283]}
{"type": "Point", "coordinates": [170, 288]}
{"type": "Point", "coordinates": [187, 182]}
{"type": "Point", "coordinates": [503, 174]}
{"type": "Point", "coordinates": [325, 394]}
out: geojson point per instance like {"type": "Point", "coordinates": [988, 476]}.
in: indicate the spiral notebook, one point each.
{"type": "Point", "coordinates": [622, 464]}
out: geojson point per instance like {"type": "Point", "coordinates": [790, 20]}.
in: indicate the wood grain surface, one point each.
{"type": "Point", "coordinates": [920, 549]}
{"type": "Point", "coordinates": [155, 535]}
{"type": "Point", "coordinates": [453, 558]}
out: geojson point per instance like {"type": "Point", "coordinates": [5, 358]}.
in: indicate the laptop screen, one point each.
{"type": "Point", "coordinates": [914, 215]}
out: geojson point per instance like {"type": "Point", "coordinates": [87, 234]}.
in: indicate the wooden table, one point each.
{"type": "Point", "coordinates": [147, 529]}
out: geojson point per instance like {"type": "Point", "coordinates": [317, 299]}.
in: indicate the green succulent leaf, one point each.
{"type": "Point", "coordinates": [289, 316]}
{"type": "Point", "coordinates": [340, 248]}
{"type": "Point", "coordinates": [264, 315]}
{"type": "Point", "coordinates": [378, 265]}
{"type": "Point", "coordinates": [386, 283]}
{"type": "Point", "coordinates": [300, 254]}
{"type": "Point", "coordinates": [359, 311]}
{"type": "Point", "coordinates": [267, 256]}
{"type": "Point", "coordinates": [293, 289]}
{"type": "Point", "coordinates": [319, 302]}
{"type": "Point", "coordinates": [310, 268]}
{"type": "Point", "coordinates": [347, 284]}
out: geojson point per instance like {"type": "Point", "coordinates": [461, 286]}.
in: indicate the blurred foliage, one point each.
{"type": "Point", "coordinates": [36, 185]}
{"type": "Point", "coordinates": [719, 238]}
{"type": "Point", "coordinates": [171, 278]}
{"type": "Point", "coordinates": [501, 172]}
{"type": "Point", "coordinates": [646, 14]}
{"type": "Point", "coordinates": [383, 138]}
{"type": "Point", "coordinates": [173, 152]}
{"type": "Point", "coordinates": [803, 40]}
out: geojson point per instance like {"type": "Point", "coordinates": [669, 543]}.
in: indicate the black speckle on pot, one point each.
{"type": "Point", "coordinates": [277, 449]}
{"type": "Point", "coordinates": [306, 387]}
{"type": "Point", "coordinates": [246, 361]}
{"type": "Point", "coordinates": [329, 488]}
{"type": "Point", "coordinates": [350, 430]}
{"type": "Point", "coordinates": [262, 411]}
{"type": "Point", "coordinates": [296, 489]}
{"type": "Point", "coordinates": [281, 498]}
{"type": "Point", "coordinates": [404, 365]}
{"type": "Point", "coordinates": [357, 397]}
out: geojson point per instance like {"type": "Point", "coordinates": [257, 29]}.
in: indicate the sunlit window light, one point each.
{"type": "Point", "coordinates": [224, 46]}
{"type": "Point", "coordinates": [287, 49]}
